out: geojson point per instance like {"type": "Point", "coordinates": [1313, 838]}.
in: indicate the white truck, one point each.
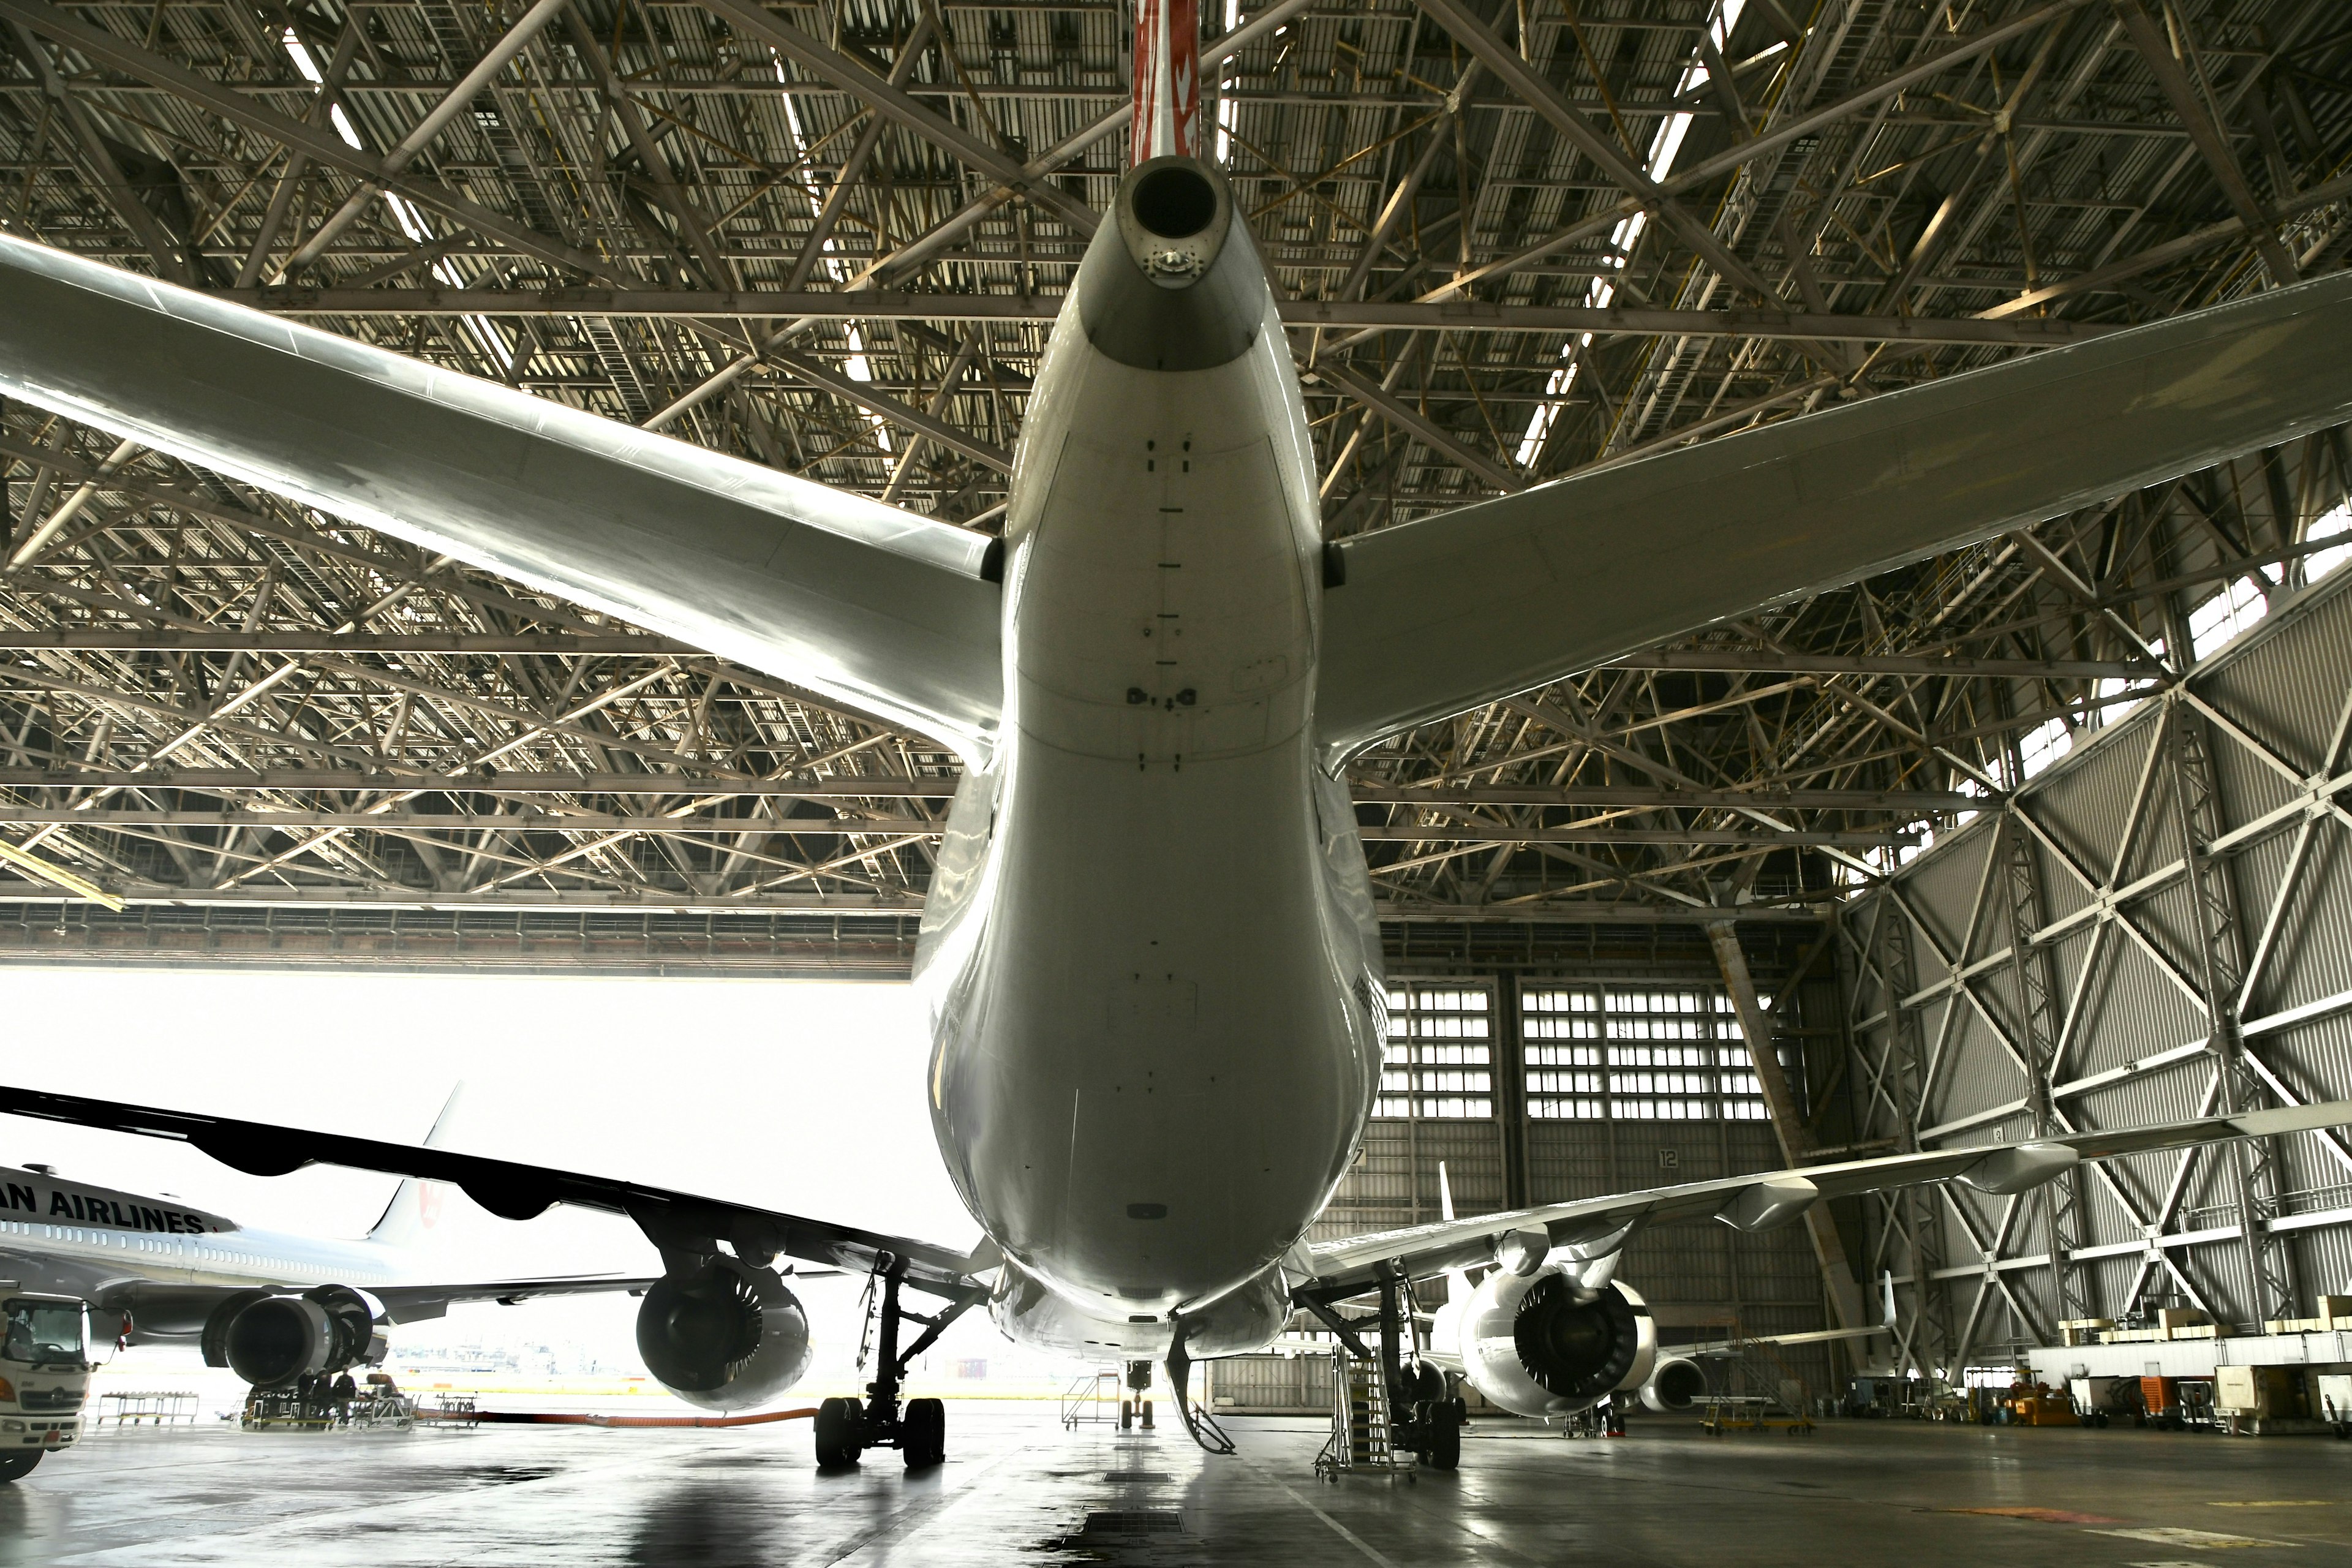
{"type": "Point", "coordinates": [44, 1378]}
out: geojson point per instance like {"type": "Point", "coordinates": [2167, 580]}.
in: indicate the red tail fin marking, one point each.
{"type": "Point", "coordinates": [1167, 80]}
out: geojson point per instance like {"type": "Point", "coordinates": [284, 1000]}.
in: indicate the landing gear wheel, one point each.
{"type": "Point", "coordinates": [923, 1433]}
{"type": "Point", "coordinates": [1444, 1451]}
{"type": "Point", "coordinates": [836, 1434]}
{"type": "Point", "coordinates": [16, 1466]}
{"type": "Point", "coordinates": [1126, 1414]}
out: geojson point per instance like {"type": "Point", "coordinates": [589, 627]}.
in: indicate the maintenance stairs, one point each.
{"type": "Point", "coordinates": [1360, 1441]}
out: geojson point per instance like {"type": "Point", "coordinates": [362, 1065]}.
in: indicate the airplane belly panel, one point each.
{"type": "Point", "coordinates": [1156, 1024]}
{"type": "Point", "coordinates": [1164, 1067]}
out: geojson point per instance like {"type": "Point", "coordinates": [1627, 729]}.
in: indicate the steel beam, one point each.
{"type": "Point", "coordinates": [1407, 315]}
{"type": "Point", "coordinates": [2158, 51]}
{"type": "Point", "coordinates": [869, 87]}
{"type": "Point", "coordinates": [291, 819]}
{"type": "Point", "coordinates": [863, 393]}
{"type": "Point", "coordinates": [1920, 803]}
{"type": "Point", "coordinates": [1496, 472]}
{"type": "Point", "coordinates": [1731, 661]}
{"type": "Point", "coordinates": [1789, 1123]}
{"type": "Point", "coordinates": [1907, 804]}
{"type": "Point", "coordinates": [319, 145]}
{"type": "Point", "coordinates": [324, 639]}
{"type": "Point", "coordinates": [486, 781]}
{"type": "Point", "coordinates": [575, 900]}
{"type": "Point", "coordinates": [2033, 970]}
{"type": "Point", "coordinates": [2217, 935]}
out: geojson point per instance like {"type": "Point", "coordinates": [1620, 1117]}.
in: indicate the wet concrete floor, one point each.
{"type": "Point", "coordinates": [1018, 1488]}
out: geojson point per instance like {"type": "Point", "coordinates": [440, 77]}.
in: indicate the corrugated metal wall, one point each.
{"type": "Point", "coordinates": [2087, 861]}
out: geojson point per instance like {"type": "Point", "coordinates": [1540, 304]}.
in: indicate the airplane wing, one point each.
{"type": "Point", "coordinates": [877, 607]}
{"type": "Point", "coordinates": [1440, 615]}
{"type": "Point", "coordinates": [1811, 1337]}
{"type": "Point", "coordinates": [402, 1303]}
{"type": "Point", "coordinates": [414, 1303]}
{"type": "Point", "coordinates": [670, 1219]}
{"type": "Point", "coordinates": [1601, 1225]}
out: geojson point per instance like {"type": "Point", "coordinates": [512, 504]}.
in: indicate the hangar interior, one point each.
{"type": "Point", "coordinates": [2041, 835]}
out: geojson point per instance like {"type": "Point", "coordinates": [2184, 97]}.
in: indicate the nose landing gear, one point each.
{"type": "Point", "coordinates": [1134, 1404]}
{"type": "Point", "coordinates": [1199, 1425]}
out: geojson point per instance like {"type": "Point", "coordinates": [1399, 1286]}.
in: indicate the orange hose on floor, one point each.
{"type": "Point", "coordinates": [550, 1419]}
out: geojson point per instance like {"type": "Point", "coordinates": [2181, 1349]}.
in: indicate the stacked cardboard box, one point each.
{"type": "Point", "coordinates": [2171, 1323]}
{"type": "Point", "coordinates": [2334, 1314]}
{"type": "Point", "coordinates": [2085, 1330]}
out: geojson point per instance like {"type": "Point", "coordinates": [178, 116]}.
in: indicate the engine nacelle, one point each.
{"type": "Point", "coordinates": [274, 1342]}
{"type": "Point", "coordinates": [1675, 1383]}
{"type": "Point", "coordinates": [1547, 1344]}
{"type": "Point", "coordinates": [725, 1335]}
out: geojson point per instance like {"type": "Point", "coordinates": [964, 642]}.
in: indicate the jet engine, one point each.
{"type": "Point", "coordinates": [1675, 1383]}
{"type": "Point", "coordinates": [273, 1340]}
{"type": "Point", "coordinates": [723, 1334]}
{"type": "Point", "coordinates": [1547, 1344]}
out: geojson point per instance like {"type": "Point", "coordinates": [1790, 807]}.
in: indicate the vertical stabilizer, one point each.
{"type": "Point", "coordinates": [417, 1205]}
{"type": "Point", "coordinates": [1166, 81]}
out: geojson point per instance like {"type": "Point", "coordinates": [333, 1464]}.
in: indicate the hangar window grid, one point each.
{"type": "Point", "coordinates": [1621, 1052]}
{"type": "Point", "coordinates": [1439, 1063]}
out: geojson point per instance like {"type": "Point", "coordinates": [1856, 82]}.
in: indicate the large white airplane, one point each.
{"type": "Point", "coordinates": [273, 1306]}
{"type": "Point", "coordinates": [1150, 949]}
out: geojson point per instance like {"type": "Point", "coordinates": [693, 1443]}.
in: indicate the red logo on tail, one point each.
{"type": "Point", "coordinates": [1167, 84]}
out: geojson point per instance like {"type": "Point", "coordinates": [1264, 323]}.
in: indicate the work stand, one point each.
{"type": "Point", "coordinates": [1382, 1408]}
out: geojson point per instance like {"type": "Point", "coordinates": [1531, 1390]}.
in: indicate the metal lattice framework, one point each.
{"type": "Point", "coordinates": [1516, 240]}
{"type": "Point", "coordinates": [2180, 955]}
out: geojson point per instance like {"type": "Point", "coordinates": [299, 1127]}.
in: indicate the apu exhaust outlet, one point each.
{"type": "Point", "coordinates": [1172, 282]}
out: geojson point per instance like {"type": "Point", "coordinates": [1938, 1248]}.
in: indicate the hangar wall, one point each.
{"type": "Point", "coordinates": [1513, 1129]}
{"type": "Point", "coordinates": [2156, 928]}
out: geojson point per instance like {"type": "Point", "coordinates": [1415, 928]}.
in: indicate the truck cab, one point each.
{"type": "Point", "coordinates": [44, 1377]}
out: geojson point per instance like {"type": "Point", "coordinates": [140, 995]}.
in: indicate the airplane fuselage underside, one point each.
{"type": "Point", "coordinates": [1157, 1024]}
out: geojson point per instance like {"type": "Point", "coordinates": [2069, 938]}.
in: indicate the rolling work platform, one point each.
{"type": "Point", "coordinates": [1361, 1433]}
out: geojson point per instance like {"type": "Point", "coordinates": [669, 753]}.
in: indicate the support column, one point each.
{"type": "Point", "coordinates": [2218, 966]}
{"type": "Point", "coordinates": [1510, 1070]}
{"type": "Point", "coordinates": [1787, 1121]}
{"type": "Point", "coordinates": [1930, 1341]}
{"type": "Point", "coordinates": [2032, 968]}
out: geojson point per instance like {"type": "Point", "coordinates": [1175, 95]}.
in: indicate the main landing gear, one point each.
{"type": "Point", "coordinates": [845, 1428]}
